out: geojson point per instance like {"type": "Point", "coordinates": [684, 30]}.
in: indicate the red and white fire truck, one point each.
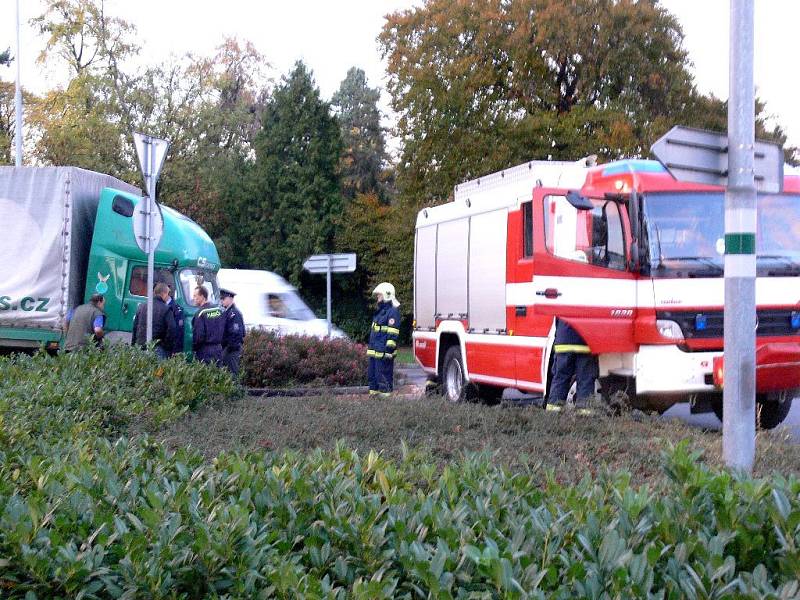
{"type": "Point", "coordinates": [628, 256]}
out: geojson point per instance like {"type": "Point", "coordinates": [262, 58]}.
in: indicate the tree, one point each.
{"type": "Point", "coordinates": [364, 156]}
{"type": "Point", "coordinates": [295, 178]}
{"type": "Point", "coordinates": [5, 57]}
{"type": "Point", "coordinates": [480, 85]}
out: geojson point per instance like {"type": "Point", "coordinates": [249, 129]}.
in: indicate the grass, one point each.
{"type": "Point", "coordinates": [572, 445]}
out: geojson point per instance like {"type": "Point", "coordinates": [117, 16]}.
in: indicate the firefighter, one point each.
{"type": "Point", "coordinates": [383, 341]}
{"type": "Point", "coordinates": [572, 358]}
{"type": "Point", "coordinates": [208, 327]}
{"type": "Point", "coordinates": [233, 337]}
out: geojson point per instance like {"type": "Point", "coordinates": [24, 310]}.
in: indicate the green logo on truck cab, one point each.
{"type": "Point", "coordinates": [26, 304]}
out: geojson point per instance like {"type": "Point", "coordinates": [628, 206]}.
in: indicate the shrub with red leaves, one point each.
{"type": "Point", "coordinates": [269, 360]}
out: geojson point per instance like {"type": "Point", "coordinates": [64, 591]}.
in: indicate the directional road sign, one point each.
{"type": "Point", "coordinates": [146, 144]}
{"type": "Point", "coordinates": [339, 263]}
{"type": "Point", "coordinates": [140, 216]}
{"type": "Point", "coordinates": [701, 156]}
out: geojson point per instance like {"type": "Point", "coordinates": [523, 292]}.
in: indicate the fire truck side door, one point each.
{"type": "Point", "coordinates": [580, 271]}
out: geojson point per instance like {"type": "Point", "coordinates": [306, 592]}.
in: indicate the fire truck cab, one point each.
{"type": "Point", "coordinates": [628, 256]}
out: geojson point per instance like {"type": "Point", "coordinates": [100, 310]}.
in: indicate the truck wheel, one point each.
{"type": "Point", "coordinates": [454, 384]}
{"type": "Point", "coordinates": [771, 408]}
{"type": "Point", "coordinates": [490, 394]}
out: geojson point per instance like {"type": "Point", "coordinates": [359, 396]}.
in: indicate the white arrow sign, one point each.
{"type": "Point", "coordinates": [339, 263]}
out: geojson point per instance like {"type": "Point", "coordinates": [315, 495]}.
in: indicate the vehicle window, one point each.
{"type": "Point", "coordinates": [527, 229]}
{"type": "Point", "coordinates": [591, 236]}
{"type": "Point", "coordinates": [287, 305]}
{"type": "Point", "coordinates": [192, 278]}
{"type": "Point", "coordinates": [138, 283]}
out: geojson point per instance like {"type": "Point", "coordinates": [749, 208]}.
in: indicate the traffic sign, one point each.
{"type": "Point", "coordinates": [146, 144]}
{"type": "Point", "coordinates": [336, 263]}
{"type": "Point", "coordinates": [701, 156]}
{"type": "Point", "coordinates": [140, 216]}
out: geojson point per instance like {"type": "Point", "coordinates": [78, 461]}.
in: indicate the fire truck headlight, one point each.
{"type": "Point", "coordinates": [669, 329]}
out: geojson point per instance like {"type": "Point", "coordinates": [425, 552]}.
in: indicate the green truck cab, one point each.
{"type": "Point", "coordinates": [71, 235]}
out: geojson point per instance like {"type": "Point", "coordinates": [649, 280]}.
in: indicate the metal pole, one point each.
{"type": "Point", "coordinates": [738, 425]}
{"type": "Point", "coordinates": [150, 161]}
{"type": "Point", "coordinates": [18, 103]}
{"type": "Point", "coordinates": [329, 295]}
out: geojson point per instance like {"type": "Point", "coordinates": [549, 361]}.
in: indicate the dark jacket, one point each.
{"type": "Point", "coordinates": [208, 327]}
{"type": "Point", "coordinates": [233, 337]}
{"type": "Point", "coordinates": [176, 344]}
{"type": "Point", "coordinates": [163, 324]}
{"type": "Point", "coordinates": [385, 331]}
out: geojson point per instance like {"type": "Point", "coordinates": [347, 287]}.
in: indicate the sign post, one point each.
{"type": "Point", "coordinates": [330, 263]}
{"type": "Point", "coordinates": [742, 165]}
{"type": "Point", "coordinates": [151, 152]}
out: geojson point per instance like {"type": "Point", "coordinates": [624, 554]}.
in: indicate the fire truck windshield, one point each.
{"type": "Point", "coordinates": [685, 234]}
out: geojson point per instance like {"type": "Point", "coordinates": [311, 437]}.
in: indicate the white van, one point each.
{"type": "Point", "coordinates": [271, 303]}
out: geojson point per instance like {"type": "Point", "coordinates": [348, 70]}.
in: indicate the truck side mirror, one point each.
{"type": "Point", "coordinates": [578, 201]}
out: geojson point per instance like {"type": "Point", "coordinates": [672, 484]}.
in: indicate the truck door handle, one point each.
{"type": "Point", "coordinates": [549, 293]}
{"type": "Point", "coordinates": [124, 308]}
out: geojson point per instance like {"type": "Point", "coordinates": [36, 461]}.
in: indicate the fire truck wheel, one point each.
{"type": "Point", "coordinates": [454, 384]}
{"type": "Point", "coordinates": [771, 408]}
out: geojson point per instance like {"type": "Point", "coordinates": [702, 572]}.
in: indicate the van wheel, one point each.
{"type": "Point", "coordinates": [771, 408]}
{"type": "Point", "coordinates": [454, 384]}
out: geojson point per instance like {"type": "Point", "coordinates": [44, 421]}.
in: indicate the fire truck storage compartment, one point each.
{"type": "Point", "coordinates": [425, 277]}
{"type": "Point", "coordinates": [451, 269]}
{"type": "Point", "coordinates": [487, 271]}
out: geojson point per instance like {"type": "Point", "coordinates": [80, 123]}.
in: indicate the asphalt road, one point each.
{"type": "Point", "coordinates": [415, 376]}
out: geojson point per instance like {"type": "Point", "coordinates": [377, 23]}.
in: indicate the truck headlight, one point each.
{"type": "Point", "coordinates": [669, 329]}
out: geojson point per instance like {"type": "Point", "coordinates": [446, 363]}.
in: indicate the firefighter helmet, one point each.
{"type": "Point", "coordinates": [387, 289]}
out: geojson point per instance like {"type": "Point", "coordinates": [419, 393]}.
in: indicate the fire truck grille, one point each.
{"type": "Point", "coordinates": [704, 325]}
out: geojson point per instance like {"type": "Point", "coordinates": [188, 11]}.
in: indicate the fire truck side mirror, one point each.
{"type": "Point", "coordinates": [578, 201]}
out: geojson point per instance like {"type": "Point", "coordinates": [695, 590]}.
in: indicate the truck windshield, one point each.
{"type": "Point", "coordinates": [685, 234]}
{"type": "Point", "coordinates": [192, 278]}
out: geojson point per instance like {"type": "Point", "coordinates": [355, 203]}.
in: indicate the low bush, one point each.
{"type": "Point", "coordinates": [124, 519]}
{"type": "Point", "coordinates": [269, 360]}
{"type": "Point", "coordinates": [99, 392]}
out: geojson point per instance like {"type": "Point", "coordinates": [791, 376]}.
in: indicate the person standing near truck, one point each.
{"type": "Point", "coordinates": [383, 341]}
{"type": "Point", "coordinates": [85, 324]}
{"type": "Point", "coordinates": [176, 343]}
{"type": "Point", "coordinates": [573, 357]}
{"type": "Point", "coordinates": [163, 323]}
{"type": "Point", "coordinates": [233, 337]}
{"type": "Point", "coordinates": [208, 328]}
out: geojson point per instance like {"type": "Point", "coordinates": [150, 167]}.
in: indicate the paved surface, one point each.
{"type": "Point", "coordinates": [412, 377]}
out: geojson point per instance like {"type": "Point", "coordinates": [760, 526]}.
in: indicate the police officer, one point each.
{"type": "Point", "coordinates": [383, 341]}
{"type": "Point", "coordinates": [572, 358]}
{"type": "Point", "coordinates": [233, 336]}
{"type": "Point", "coordinates": [208, 327]}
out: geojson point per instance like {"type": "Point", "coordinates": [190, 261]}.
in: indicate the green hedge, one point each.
{"type": "Point", "coordinates": [84, 514]}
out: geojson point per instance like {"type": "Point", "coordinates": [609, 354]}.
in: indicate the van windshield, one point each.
{"type": "Point", "coordinates": [685, 234]}
{"type": "Point", "coordinates": [276, 305]}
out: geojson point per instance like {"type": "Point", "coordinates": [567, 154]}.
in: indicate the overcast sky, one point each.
{"type": "Point", "coordinates": [331, 37]}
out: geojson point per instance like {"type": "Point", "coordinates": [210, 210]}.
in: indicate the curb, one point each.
{"type": "Point", "coordinates": [307, 391]}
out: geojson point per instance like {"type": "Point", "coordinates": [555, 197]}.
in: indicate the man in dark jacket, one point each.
{"type": "Point", "coordinates": [176, 344]}
{"type": "Point", "coordinates": [164, 325]}
{"type": "Point", "coordinates": [208, 327]}
{"type": "Point", "coordinates": [85, 324]}
{"type": "Point", "coordinates": [572, 358]}
{"type": "Point", "coordinates": [233, 338]}
{"type": "Point", "coordinates": [383, 341]}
